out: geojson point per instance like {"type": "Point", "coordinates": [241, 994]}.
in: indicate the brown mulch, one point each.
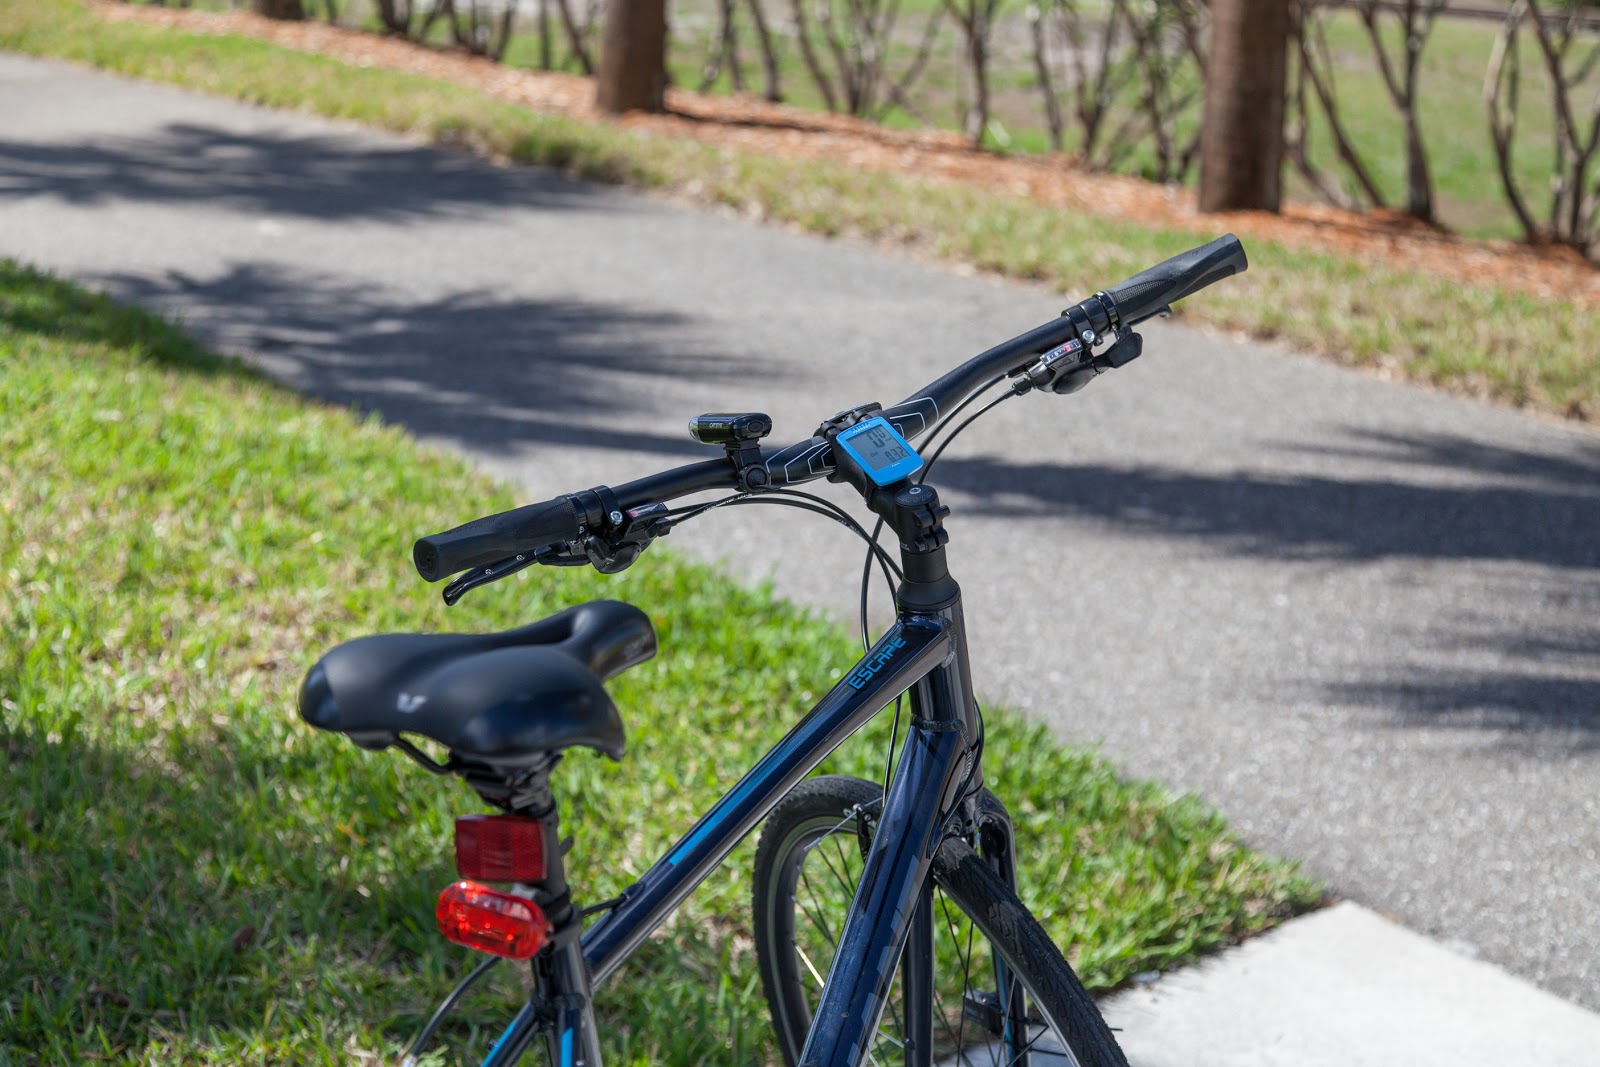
{"type": "Point", "coordinates": [779, 130]}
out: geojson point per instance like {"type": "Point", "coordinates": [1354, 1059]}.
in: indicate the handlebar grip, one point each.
{"type": "Point", "coordinates": [495, 537]}
{"type": "Point", "coordinates": [1147, 292]}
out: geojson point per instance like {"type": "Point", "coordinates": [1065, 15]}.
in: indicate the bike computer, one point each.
{"type": "Point", "coordinates": [879, 450]}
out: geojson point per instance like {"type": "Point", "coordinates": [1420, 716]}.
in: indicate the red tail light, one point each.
{"type": "Point", "coordinates": [491, 921]}
{"type": "Point", "coordinates": [500, 848]}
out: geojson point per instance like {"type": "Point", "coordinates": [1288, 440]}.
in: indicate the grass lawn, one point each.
{"type": "Point", "coordinates": [1537, 351]}
{"type": "Point", "coordinates": [191, 875]}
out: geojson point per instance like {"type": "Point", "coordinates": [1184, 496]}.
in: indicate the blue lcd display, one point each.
{"type": "Point", "coordinates": [879, 450]}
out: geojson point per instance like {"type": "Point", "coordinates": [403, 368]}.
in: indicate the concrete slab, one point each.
{"type": "Point", "coordinates": [1346, 986]}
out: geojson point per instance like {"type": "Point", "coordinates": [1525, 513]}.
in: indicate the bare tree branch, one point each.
{"type": "Point", "coordinates": [577, 42]}
{"type": "Point", "coordinates": [1319, 69]}
{"type": "Point", "coordinates": [769, 53]}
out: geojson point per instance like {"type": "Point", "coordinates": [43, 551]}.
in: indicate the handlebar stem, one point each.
{"type": "Point", "coordinates": [911, 510]}
{"type": "Point", "coordinates": [918, 518]}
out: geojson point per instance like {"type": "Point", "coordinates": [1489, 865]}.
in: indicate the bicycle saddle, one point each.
{"type": "Point", "coordinates": [500, 698]}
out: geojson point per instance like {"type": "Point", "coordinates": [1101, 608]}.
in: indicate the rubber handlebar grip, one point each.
{"type": "Point", "coordinates": [494, 538]}
{"type": "Point", "coordinates": [1147, 292]}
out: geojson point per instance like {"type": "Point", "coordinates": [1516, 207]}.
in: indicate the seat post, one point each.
{"type": "Point", "coordinates": [553, 893]}
{"type": "Point", "coordinates": [526, 791]}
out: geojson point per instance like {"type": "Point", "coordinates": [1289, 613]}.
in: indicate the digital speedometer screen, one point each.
{"type": "Point", "coordinates": [879, 447]}
{"type": "Point", "coordinates": [880, 451]}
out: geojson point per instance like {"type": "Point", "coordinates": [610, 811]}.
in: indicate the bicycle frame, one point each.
{"type": "Point", "coordinates": [924, 653]}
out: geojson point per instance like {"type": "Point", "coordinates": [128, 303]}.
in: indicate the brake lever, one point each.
{"type": "Point", "coordinates": [607, 553]}
{"type": "Point", "coordinates": [471, 580]}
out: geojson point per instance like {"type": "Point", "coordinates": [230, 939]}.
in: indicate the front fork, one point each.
{"type": "Point", "coordinates": [890, 900]}
{"type": "Point", "coordinates": [989, 829]}
{"type": "Point", "coordinates": [997, 845]}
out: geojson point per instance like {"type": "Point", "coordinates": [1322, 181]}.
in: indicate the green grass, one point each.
{"type": "Point", "coordinates": [1536, 351]}
{"type": "Point", "coordinates": [191, 875]}
{"type": "Point", "coordinates": [1451, 116]}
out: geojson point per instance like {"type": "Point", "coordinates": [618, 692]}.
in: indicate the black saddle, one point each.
{"type": "Point", "coordinates": [500, 698]}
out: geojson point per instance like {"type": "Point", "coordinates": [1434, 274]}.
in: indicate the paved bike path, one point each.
{"type": "Point", "coordinates": [1360, 617]}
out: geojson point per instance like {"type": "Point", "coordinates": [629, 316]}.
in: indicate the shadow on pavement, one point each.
{"type": "Point", "coordinates": [1453, 453]}
{"type": "Point", "coordinates": [1475, 501]}
{"type": "Point", "coordinates": [319, 177]}
{"type": "Point", "coordinates": [1523, 663]}
{"type": "Point", "coordinates": [474, 367]}
{"type": "Point", "coordinates": [1539, 708]}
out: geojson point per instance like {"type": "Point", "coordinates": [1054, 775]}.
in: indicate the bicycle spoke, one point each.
{"type": "Point", "coordinates": [966, 971]}
{"type": "Point", "coordinates": [820, 922]}
{"type": "Point", "coordinates": [846, 883]}
{"type": "Point", "coordinates": [1025, 1049]}
{"type": "Point", "coordinates": [984, 1013]}
{"type": "Point", "coordinates": [812, 967]}
{"type": "Point", "coordinates": [826, 834]}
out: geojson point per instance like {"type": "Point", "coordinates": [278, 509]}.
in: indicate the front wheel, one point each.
{"type": "Point", "coordinates": [1001, 992]}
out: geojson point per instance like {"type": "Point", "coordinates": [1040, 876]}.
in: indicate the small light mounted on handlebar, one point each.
{"type": "Point", "coordinates": [740, 434]}
{"type": "Point", "coordinates": [720, 427]}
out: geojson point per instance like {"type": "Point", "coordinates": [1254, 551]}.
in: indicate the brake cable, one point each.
{"type": "Point", "coordinates": [797, 499]}
{"type": "Point", "coordinates": [877, 529]}
{"type": "Point", "coordinates": [873, 546]}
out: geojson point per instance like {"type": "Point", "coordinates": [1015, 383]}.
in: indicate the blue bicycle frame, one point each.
{"type": "Point", "coordinates": [924, 653]}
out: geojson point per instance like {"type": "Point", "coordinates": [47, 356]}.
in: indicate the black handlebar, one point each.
{"type": "Point", "coordinates": [1147, 292]}
{"type": "Point", "coordinates": [495, 537]}
{"type": "Point", "coordinates": [501, 537]}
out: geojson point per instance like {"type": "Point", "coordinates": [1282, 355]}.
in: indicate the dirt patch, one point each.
{"type": "Point", "coordinates": [779, 130]}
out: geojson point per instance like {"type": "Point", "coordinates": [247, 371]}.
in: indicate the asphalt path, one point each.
{"type": "Point", "coordinates": [1360, 617]}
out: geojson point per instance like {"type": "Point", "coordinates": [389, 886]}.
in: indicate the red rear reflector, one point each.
{"type": "Point", "coordinates": [500, 848]}
{"type": "Point", "coordinates": [491, 921]}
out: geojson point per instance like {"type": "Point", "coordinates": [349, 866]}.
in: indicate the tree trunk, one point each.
{"type": "Point", "coordinates": [287, 10]}
{"type": "Point", "coordinates": [633, 57]}
{"type": "Point", "coordinates": [769, 55]}
{"type": "Point", "coordinates": [978, 58]}
{"type": "Point", "coordinates": [1241, 141]}
{"type": "Point", "coordinates": [546, 53]}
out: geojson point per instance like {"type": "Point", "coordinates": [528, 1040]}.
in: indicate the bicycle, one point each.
{"type": "Point", "coordinates": [934, 946]}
